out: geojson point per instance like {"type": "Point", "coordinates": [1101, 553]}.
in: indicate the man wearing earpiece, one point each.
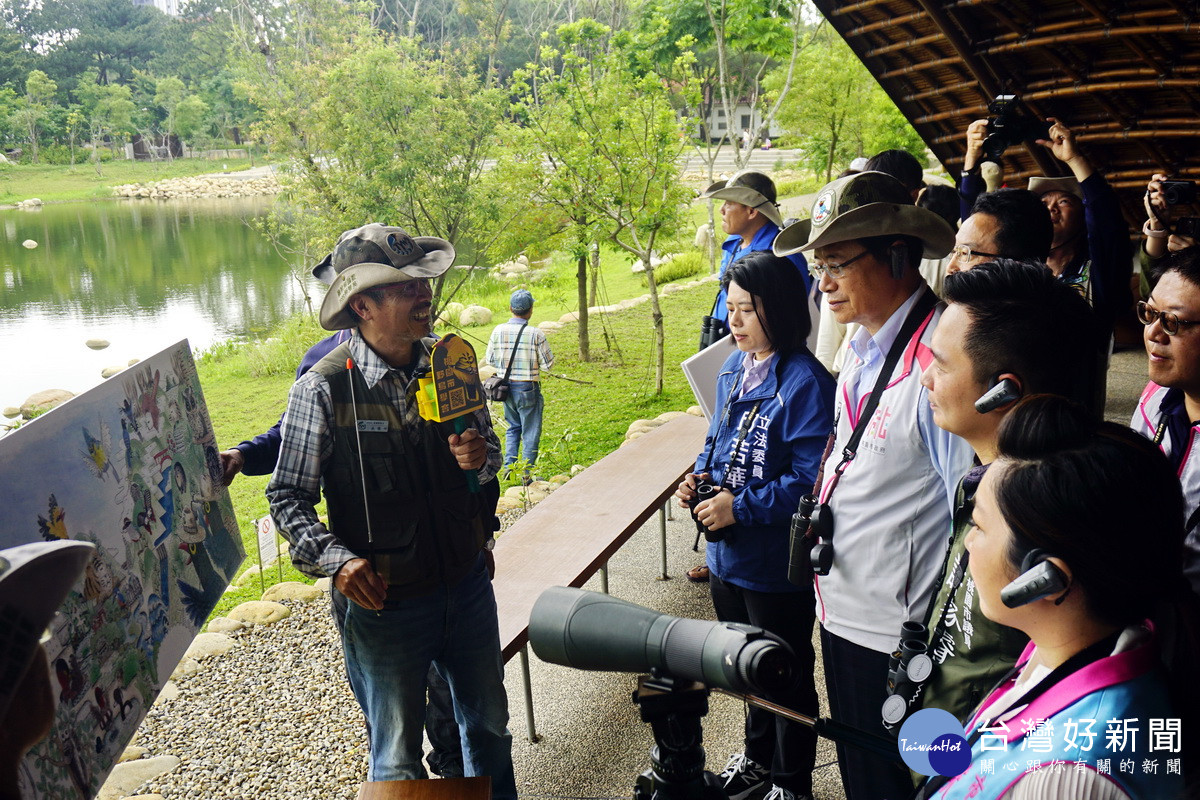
{"type": "Point", "coordinates": [887, 486]}
{"type": "Point", "coordinates": [1009, 329]}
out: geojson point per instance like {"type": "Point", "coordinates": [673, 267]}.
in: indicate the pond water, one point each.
{"type": "Point", "coordinates": [140, 274]}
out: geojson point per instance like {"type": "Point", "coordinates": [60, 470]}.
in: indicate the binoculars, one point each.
{"type": "Point", "coordinates": [704, 490]}
{"type": "Point", "coordinates": [908, 669]}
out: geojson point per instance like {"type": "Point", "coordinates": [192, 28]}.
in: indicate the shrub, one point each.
{"type": "Point", "coordinates": [682, 265]}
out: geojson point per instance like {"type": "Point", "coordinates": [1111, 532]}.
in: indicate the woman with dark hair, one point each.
{"type": "Point", "coordinates": [760, 457]}
{"type": "Point", "coordinates": [1077, 541]}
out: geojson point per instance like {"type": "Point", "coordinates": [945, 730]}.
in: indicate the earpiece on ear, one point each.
{"type": "Point", "coordinates": [1001, 393]}
{"type": "Point", "coordinates": [1039, 578]}
{"type": "Point", "coordinates": [899, 253]}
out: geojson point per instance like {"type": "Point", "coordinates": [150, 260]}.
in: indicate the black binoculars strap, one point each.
{"type": "Point", "coordinates": [513, 355]}
{"type": "Point", "coordinates": [916, 315]}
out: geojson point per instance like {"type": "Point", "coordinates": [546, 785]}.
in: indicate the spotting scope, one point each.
{"type": "Point", "coordinates": [593, 631]}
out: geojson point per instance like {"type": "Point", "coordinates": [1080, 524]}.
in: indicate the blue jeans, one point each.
{"type": "Point", "coordinates": [440, 726]}
{"type": "Point", "coordinates": [388, 655]}
{"type": "Point", "coordinates": [523, 413]}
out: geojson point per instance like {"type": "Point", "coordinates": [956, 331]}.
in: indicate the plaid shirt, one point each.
{"type": "Point", "coordinates": [532, 353]}
{"type": "Point", "coordinates": [295, 487]}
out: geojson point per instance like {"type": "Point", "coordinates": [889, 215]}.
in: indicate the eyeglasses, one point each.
{"type": "Point", "coordinates": [965, 252]}
{"type": "Point", "coordinates": [835, 271]}
{"type": "Point", "coordinates": [1170, 322]}
{"type": "Point", "coordinates": [408, 289]}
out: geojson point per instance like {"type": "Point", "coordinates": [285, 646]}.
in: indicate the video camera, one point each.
{"type": "Point", "coordinates": [1010, 124]}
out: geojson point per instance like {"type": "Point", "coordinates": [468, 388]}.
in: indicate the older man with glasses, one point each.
{"type": "Point", "coordinates": [1169, 410]}
{"type": "Point", "coordinates": [887, 492]}
{"type": "Point", "coordinates": [1008, 223]}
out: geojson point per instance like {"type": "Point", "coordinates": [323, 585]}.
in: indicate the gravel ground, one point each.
{"type": "Point", "coordinates": [274, 717]}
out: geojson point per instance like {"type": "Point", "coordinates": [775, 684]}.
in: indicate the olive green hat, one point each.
{"type": "Point", "coordinates": [750, 188]}
{"type": "Point", "coordinates": [377, 255]}
{"type": "Point", "coordinates": [864, 205]}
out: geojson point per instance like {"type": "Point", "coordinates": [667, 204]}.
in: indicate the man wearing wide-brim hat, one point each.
{"type": "Point", "coordinates": [890, 502]}
{"type": "Point", "coordinates": [751, 219]}
{"type": "Point", "coordinates": [259, 455]}
{"type": "Point", "coordinates": [407, 535]}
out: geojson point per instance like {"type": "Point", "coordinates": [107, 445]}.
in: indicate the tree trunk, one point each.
{"type": "Point", "coordinates": [594, 250]}
{"type": "Point", "coordinates": [581, 284]}
{"type": "Point", "coordinates": [657, 315]}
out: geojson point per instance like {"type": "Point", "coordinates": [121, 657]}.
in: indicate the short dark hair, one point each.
{"type": "Point", "coordinates": [1026, 321]}
{"type": "Point", "coordinates": [901, 165]}
{"type": "Point", "coordinates": [779, 295]}
{"type": "Point", "coordinates": [1076, 487]}
{"type": "Point", "coordinates": [1186, 262]}
{"type": "Point", "coordinates": [941, 200]}
{"type": "Point", "coordinates": [1025, 230]}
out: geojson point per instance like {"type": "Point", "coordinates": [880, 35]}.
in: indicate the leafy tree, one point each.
{"type": "Point", "coordinates": [603, 117]}
{"type": "Point", "coordinates": [737, 42]}
{"type": "Point", "coordinates": [191, 115]}
{"type": "Point", "coordinates": [111, 37]}
{"type": "Point", "coordinates": [837, 108]}
{"type": "Point", "coordinates": [403, 140]}
{"type": "Point", "coordinates": [168, 93]}
{"type": "Point", "coordinates": [15, 59]}
{"type": "Point", "coordinates": [35, 107]}
{"type": "Point", "coordinates": [109, 110]}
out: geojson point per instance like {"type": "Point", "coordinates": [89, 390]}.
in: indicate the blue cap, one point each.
{"type": "Point", "coordinates": [521, 301]}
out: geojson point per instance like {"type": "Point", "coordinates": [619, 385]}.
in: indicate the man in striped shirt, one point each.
{"type": "Point", "coordinates": [525, 347]}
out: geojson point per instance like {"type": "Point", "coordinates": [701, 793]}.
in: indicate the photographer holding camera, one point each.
{"type": "Point", "coordinates": [761, 454]}
{"type": "Point", "coordinates": [1091, 242]}
{"type": "Point", "coordinates": [1161, 235]}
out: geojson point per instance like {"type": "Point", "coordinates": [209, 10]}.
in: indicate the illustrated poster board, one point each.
{"type": "Point", "coordinates": [702, 370]}
{"type": "Point", "coordinates": [131, 466]}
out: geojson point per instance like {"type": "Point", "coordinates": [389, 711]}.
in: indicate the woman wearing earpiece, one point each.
{"type": "Point", "coordinates": [764, 445]}
{"type": "Point", "coordinates": [1077, 542]}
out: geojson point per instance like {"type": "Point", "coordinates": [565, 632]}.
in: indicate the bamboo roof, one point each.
{"type": "Point", "coordinates": [1125, 76]}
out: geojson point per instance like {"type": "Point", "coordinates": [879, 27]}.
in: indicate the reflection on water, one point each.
{"type": "Point", "coordinates": [140, 274]}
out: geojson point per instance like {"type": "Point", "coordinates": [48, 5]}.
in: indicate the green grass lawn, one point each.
{"type": "Point", "coordinates": [51, 182]}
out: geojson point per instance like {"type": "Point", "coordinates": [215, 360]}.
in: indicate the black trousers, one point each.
{"type": "Point", "coordinates": [856, 679]}
{"type": "Point", "coordinates": [788, 748]}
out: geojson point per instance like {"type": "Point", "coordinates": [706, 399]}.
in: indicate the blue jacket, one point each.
{"type": "Point", "coordinates": [261, 452]}
{"type": "Point", "coordinates": [763, 238]}
{"type": "Point", "coordinates": [777, 464]}
{"type": "Point", "coordinates": [1123, 693]}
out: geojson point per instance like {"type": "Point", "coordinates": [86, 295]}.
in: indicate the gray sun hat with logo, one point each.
{"type": "Point", "coordinates": [864, 205]}
{"type": "Point", "coordinates": [376, 243]}
{"type": "Point", "coordinates": [377, 255]}
{"type": "Point", "coordinates": [34, 580]}
{"type": "Point", "coordinates": [750, 188]}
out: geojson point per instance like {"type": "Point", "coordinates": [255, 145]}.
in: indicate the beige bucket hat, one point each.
{"type": "Point", "coordinates": [1041, 186]}
{"type": "Point", "coordinates": [864, 205]}
{"type": "Point", "coordinates": [750, 188]}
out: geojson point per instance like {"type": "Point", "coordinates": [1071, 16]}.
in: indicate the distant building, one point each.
{"type": "Point", "coordinates": [715, 124]}
{"type": "Point", "coordinates": [169, 7]}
